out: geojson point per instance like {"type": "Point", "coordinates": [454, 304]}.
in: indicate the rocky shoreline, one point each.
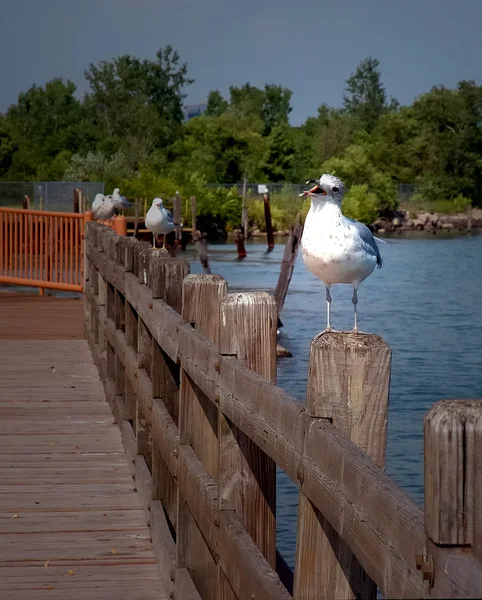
{"type": "Point", "coordinates": [401, 220]}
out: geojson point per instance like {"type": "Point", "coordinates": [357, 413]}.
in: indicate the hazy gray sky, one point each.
{"type": "Point", "coordinates": [310, 46]}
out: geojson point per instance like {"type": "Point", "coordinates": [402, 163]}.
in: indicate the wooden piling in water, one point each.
{"type": "Point", "coordinates": [201, 247]}
{"type": "Point", "coordinates": [177, 215]}
{"type": "Point", "coordinates": [269, 225]}
{"type": "Point", "coordinates": [239, 241]}
{"type": "Point", "coordinates": [288, 265]}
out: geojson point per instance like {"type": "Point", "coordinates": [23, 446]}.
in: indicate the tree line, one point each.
{"type": "Point", "coordinates": [128, 130]}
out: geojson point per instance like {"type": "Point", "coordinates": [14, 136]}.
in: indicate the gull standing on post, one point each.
{"type": "Point", "coordinates": [120, 202]}
{"type": "Point", "coordinates": [335, 248]}
{"type": "Point", "coordinates": [159, 220]}
{"type": "Point", "coordinates": [104, 209]}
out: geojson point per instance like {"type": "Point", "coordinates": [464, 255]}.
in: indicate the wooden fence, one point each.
{"type": "Point", "coordinates": [190, 373]}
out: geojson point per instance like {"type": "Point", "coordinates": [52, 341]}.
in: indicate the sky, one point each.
{"type": "Point", "coordinates": [309, 46]}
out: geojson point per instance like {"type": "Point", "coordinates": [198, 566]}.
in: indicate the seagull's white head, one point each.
{"type": "Point", "coordinates": [157, 202]}
{"type": "Point", "coordinates": [116, 191]}
{"type": "Point", "coordinates": [328, 187]}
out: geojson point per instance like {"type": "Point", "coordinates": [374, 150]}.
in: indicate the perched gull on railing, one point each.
{"type": "Point", "coordinates": [103, 208]}
{"type": "Point", "coordinates": [120, 202]}
{"type": "Point", "coordinates": [159, 220]}
{"type": "Point", "coordinates": [335, 248]}
{"type": "Point", "coordinates": [97, 203]}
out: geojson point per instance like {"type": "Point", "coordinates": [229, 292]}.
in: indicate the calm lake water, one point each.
{"type": "Point", "coordinates": [426, 304]}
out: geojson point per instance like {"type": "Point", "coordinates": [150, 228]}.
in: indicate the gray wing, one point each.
{"type": "Point", "coordinates": [367, 239]}
{"type": "Point", "coordinates": [125, 203]}
{"type": "Point", "coordinates": [168, 214]}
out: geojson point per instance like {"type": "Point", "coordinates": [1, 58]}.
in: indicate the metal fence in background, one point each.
{"type": "Point", "coordinates": [405, 191]}
{"type": "Point", "coordinates": [47, 195]}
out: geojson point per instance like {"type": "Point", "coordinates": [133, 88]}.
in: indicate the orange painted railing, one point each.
{"type": "Point", "coordinates": [42, 249]}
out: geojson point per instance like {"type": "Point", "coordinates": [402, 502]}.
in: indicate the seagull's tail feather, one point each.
{"type": "Point", "coordinates": [379, 240]}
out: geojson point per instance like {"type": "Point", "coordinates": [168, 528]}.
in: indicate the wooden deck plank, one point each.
{"type": "Point", "coordinates": [67, 497]}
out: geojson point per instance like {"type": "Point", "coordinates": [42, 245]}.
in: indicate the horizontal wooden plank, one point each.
{"type": "Point", "coordinates": [45, 522]}
{"type": "Point", "coordinates": [245, 567]}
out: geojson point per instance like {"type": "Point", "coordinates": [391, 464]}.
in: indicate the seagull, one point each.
{"type": "Point", "coordinates": [120, 202]}
{"type": "Point", "coordinates": [159, 220]}
{"type": "Point", "coordinates": [104, 208]}
{"type": "Point", "coordinates": [335, 248]}
{"type": "Point", "coordinates": [97, 203]}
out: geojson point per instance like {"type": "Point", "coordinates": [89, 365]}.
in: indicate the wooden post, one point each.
{"type": "Point", "coordinates": [247, 477]}
{"type": "Point", "coordinates": [26, 202]}
{"type": "Point", "coordinates": [177, 206]}
{"type": "Point", "coordinates": [287, 265]}
{"type": "Point", "coordinates": [198, 427]}
{"type": "Point", "coordinates": [348, 384]}
{"type": "Point", "coordinates": [136, 215]}
{"type": "Point", "coordinates": [201, 247]}
{"type": "Point", "coordinates": [193, 214]}
{"type": "Point", "coordinates": [245, 223]}
{"type": "Point", "coordinates": [267, 218]}
{"type": "Point", "coordinates": [76, 201]}
{"type": "Point", "coordinates": [239, 241]}
{"type": "Point", "coordinates": [453, 477]}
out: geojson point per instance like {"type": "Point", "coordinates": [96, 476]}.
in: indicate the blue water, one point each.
{"type": "Point", "coordinates": [425, 302]}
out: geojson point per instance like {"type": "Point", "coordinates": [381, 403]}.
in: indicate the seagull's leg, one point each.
{"type": "Point", "coordinates": [328, 303]}
{"type": "Point", "coordinates": [154, 240]}
{"type": "Point", "coordinates": [355, 302]}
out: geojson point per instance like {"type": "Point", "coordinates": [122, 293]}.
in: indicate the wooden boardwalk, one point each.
{"type": "Point", "coordinates": [71, 523]}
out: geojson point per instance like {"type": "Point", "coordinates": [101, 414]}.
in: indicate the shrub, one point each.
{"type": "Point", "coordinates": [360, 204]}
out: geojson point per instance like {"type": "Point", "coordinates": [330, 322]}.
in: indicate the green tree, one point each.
{"type": "Point", "coordinates": [45, 122]}
{"type": "Point", "coordinates": [356, 168]}
{"type": "Point", "coordinates": [449, 142]}
{"type": "Point", "coordinates": [271, 105]}
{"type": "Point", "coordinates": [137, 105]}
{"type": "Point", "coordinates": [365, 96]}
{"type": "Point", "coordinates": [279, 155]}
{"type": "Point", "coordinates": [221, 148]}
{"type": "Point", "coordinates": [216, 104]}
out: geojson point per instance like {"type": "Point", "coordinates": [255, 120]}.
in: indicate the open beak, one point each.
{"type": "Point", "coordinates": [315, 190]}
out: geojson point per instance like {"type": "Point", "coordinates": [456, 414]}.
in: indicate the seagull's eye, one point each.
{"type": "Point", "coordinates": [335, 189]}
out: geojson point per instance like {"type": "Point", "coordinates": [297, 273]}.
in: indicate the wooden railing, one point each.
{"type": "Point", "coordinates": [42, 249]}
{"type": "Point", "coordinates": [190, 372]}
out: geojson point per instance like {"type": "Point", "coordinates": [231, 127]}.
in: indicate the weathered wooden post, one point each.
{"type": "Point", "coordinates": [239, 241]}
{"type": "Point", "coordinates": [247, 476]}
{"type": "Point", "coordinates": [26, 202]}
{"type": "Point", "coordinates": [269, 225]}
{"type": "Point", "coordinates": [198, 426]}
{"type": "Point", "coordinates": [245, 223]}
{"type": "Point", "coordinates": [193, 214]}
{"type": "Point", "coordinates": [76, 200]}
{"type": "Point", "coordinates": [453, 480]}
{"type": "Point", "coordinates": [201, 247]}
{"type": "Point", "coordinates": [177, 215]}
{"type": "Point", "coordinates": [348, 384]}
{"type": "Point", "coordinates": [288, 265]}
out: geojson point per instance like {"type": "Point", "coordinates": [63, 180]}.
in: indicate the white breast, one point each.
{"type": "Point", "coordinates": [157, 222]}
{"type": "Point", "coordinates": [330, 249]}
